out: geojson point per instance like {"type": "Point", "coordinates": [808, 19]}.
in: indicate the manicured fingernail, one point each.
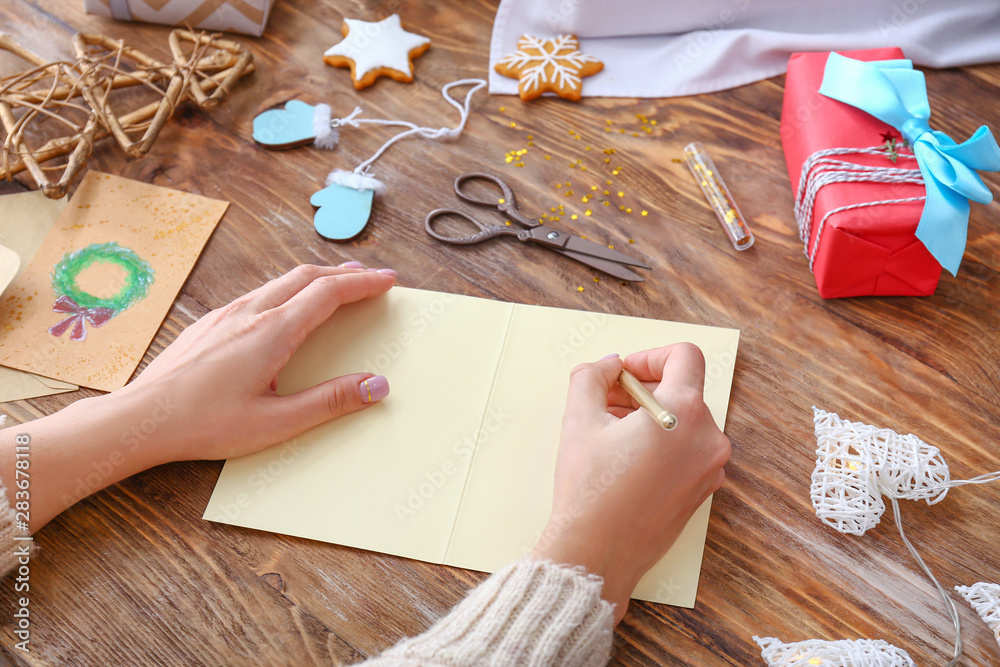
{"type": "Point", "coordinates": [388, 272]}
{"type": "Point", "coordinates": [610, 356]}
{"type": "Point", "coordinates": [352, 265]}
{"type": "Point", "coordinates": [374, 389]}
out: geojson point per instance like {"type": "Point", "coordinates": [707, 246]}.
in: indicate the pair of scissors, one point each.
{"type": "Point", "coordinates": [592, 254]}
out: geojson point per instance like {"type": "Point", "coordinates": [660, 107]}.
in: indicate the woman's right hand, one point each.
{"type": "Point", "coordinates": [625, 487]}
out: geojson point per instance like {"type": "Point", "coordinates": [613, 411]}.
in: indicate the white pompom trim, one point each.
{"type": "Point", "coordinates": [326, 135]}
{"type": "Point", "coordinates": [349, 179]}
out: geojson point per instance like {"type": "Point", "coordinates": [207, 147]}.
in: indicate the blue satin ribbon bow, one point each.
{"type": "Point", "coordinates": [895, 93]}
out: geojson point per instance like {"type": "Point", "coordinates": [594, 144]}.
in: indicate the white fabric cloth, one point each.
{"type": "Point", "coordinates": [664, 48]}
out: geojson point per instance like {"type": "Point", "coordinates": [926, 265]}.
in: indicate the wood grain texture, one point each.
{"type": "Point", "coordinates": [133, 576]}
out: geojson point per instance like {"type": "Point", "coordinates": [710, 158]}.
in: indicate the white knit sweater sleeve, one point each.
{"type": "Point", "coordinates": [529, 614]}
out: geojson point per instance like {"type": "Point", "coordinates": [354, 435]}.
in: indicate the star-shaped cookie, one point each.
{"type": "Point", "coordinates": [549, 65]}
{"type": "Point", "coordinates": [377, 49]}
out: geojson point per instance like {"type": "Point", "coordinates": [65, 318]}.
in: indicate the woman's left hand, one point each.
{"type": "Point", "coordinates": [221, 372]}
{"type": "Point", "coordinates": [209, 395]}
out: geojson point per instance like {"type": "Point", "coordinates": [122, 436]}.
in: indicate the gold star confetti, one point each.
{"type": "Point", "coordinates": [648, 130]}
{"type": "Point", "coordinates": [644, 213]}
{"type": "Point", "coordinates": [607, 182]}
{"type": "Point", "coordinates": [607, 129]}
{"type": "Point", "coordinates": [609, 151]}
{"type": "Point", "coordinates": [621, 207]}
{"type": "Point", "coordinates": [611, 247]}
{"type": "Point", "coordinates": [621, 193]}
{"type": "Point", "coordinates": [568, 193]}
{"type": "Point", "coordinates": [502, 109]}
{"type": "Point", "coordinates": [580, 288]}
{"type": "Point", "coordinates": [501, 200]}
{"type": "Point", "coordinates": [593, 187]}
{"type": "Point", "coordinates": [548, 157]}
{"type": "Point", "coordinates": [606, 202]}
{"type": "Point", "coordinates": [583, 167]}
{"type": "Point", "coordinates": [608, 122]}
{"type": "Point", "coordinates": [652, 122]}
{"type": "Point", "coordinates": [635, 134]}
{"type": "Point", "coordinates": [607, 193]}
{"type": "Point", "coordinates": [529, 137]}
{"type": "Point", "coordinates": [507, 222]}
{"type": "Point", "coordinates": [588, 212]}
{"type": "Point", "coordinates": [628, 210]}
{"type": "Point", "coordinates": [513, 124]}
{"type": "Point", "coordinates": [607, 160]}
{"type": "Point", "coordinates": [631, 241]}
{"type": "Point", "coordinates": [586, 148]}
{"type": "Point", "coordinates": [621, 130]}
{"type": "Point", "coordinates": [596, 279]}
{"type": "Point", "coordinates": [573, 217]}
{"type": "Point", "coordinates": [558, 185]}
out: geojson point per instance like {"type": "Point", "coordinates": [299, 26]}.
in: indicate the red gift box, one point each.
{"type": "Point", "coordinates": [869, 250]}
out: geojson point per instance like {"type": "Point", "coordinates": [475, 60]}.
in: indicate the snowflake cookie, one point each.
{"type": "Point", "coordinates": [549, 65]}
{"type": "Point", "coordinates": [376, 49]}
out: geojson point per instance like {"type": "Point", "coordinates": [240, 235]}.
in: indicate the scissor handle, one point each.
{"type": "Point", "coordinates": [485, 232]}
{"type": "Point", "coordinates": [505, 201]}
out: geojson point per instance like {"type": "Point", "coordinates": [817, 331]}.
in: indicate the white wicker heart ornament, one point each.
{"type": "Point", "coordinates": [857, 464]}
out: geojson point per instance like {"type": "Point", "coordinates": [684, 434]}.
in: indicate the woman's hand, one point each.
{"type": "Point", "coordinates": [209, 395]}
{"type": "Point", "coordinates": [221, 371]}
{"type": "Point", "coordinates": [625, 487]}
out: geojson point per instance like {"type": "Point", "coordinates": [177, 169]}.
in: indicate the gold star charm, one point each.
{"type": "Point", "coordinates": [549, 65]}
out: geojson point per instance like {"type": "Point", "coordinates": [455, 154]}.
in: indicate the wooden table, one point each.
{"type": "Point", "coordinates": [132, 575]}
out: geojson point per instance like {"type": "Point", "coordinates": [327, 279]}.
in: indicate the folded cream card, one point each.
{"type": "Point", "coordinates": [456, 466]}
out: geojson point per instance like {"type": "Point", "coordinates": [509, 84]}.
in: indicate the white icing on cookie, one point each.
{"type": "Point", "coordinates": [376, 45]}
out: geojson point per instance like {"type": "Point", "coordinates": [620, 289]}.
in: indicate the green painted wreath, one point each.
{"type": "Point", "coordinates": [85, 307]}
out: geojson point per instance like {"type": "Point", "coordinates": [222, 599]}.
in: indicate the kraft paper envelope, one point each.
{"type": "Point", "coordinates": [93, 297]}
{"type": "Point", "coordinates": [456, 466]}
{"type": "Point", "coordinates": [25, 220]}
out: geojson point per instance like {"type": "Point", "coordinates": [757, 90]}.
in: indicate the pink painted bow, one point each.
{"type": "Point", "coordinates": [96, 316]}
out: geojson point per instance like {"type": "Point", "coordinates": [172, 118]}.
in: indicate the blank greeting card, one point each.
{"type": "Point", "coordinates": [456, 466]}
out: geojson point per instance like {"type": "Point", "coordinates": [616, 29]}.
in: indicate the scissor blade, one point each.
{"type": "Point", "coordinates": [607, 266]}
{"type": "Point", "coordinates": [586, 247]}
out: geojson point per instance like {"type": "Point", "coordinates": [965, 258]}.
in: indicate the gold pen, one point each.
{"type": "Point", "coordinates": [643, 397]}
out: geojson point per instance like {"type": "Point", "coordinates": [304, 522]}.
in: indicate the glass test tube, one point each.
{"type": "Point", "coordinates": [717, 194]}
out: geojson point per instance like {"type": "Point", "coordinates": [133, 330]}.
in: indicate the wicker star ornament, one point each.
{"type": "Point", "coordinates": [56, 109]}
